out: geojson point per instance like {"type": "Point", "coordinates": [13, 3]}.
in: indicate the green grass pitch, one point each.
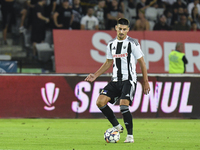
{"type": "Point", "coordinates": [87, 134]}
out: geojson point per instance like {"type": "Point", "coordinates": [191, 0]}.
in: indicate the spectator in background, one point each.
{"type": "Point", "coordinates": [195, 17]}
{"type": "Point", "coordinates": [142, 6]}
{"type": "Point", "coordinates": [161, 25]}
{"type": "Point", "coordinates": [168, 3]}
{"type": "Point", "coordinates": [177, 16]}
{"type": "Point", "coordinates": [179, 4]}
{"type": "Point", "coordinates": [168, 16]}
{"type": "Point", "coordinates": [177, 59]}
{"type": "Point", "coordinates": [23, 13]}
{"type": "Point", "coordinates": [141, 24]}
{"type": "Point", "coordinates": [192, 5]}
{"type": "Point", "coordinates": [120, 5]}
{"type": "Point", "coordinates": [194, 26]}
{"type": "Point", "coordinates": [63, 17]}
{"type": "Point", "coordinates": [38, 24]}
{"type": "Point", "coordinates": [131, 4]}
{"type": "Point", "coordinates": [99, 12]}
{"type": "Point", "coordinates": [78, 13]}
{"type": "Point", "coordinates": [86, 4]}
{"type": "Point", "coordinates": [182, 24]}
{"type": "Point", "coordinates": [89, 21]}
{"type": "Point", "coordinates": [31, 6]}
{"type": "Point", "coordinates": [8, 17]}
{"type": "Point", "coordinates": [50, 8]}
{"type": "Point", "coordinates": [70, 3]}
{"type": "Point", "coordinates": [113, 14]}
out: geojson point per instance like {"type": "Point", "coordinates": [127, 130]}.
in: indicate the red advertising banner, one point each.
{"type": "Point", "coordinates": [85, 51]}
{"type": "Point", "coordinates": [64, 96]}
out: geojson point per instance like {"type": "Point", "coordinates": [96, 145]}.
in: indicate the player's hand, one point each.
{"type": "Point", "coordinates": [146, 87]}
{"type": "Point", "coordinates": [91, 77]}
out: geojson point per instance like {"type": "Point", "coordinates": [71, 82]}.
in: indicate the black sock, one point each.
{"type": "Point", "coordinates": [109, 115]}
{"type": "Point", "coordinates": [127, 118]}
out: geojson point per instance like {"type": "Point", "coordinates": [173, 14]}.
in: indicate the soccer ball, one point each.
{"type": "Point", "coordinates": [112, 135]}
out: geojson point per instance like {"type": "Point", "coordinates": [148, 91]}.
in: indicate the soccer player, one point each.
{"type": "Point", "coordinates": [122, 52]}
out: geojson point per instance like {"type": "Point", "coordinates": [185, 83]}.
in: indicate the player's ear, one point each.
{"type": "Point", "coordinates": [116, 27]}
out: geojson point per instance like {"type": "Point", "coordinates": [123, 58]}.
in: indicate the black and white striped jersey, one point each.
{"type": "Point", "coordinates": [124, 54]}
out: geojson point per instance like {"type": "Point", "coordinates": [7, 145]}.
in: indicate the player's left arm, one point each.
{"type": "Point", "coordinates": [146, 87]}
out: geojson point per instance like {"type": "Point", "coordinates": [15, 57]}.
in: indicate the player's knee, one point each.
{"type": "Point", "coordinates": [124, 109]}
{"type": "Point", "coordinates": [101, 101]}
{"type": "Point", "coordinates": [124, 102]}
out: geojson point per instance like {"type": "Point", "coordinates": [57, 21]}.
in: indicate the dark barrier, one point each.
{"type": "Point", "coordinates": [68, 96]}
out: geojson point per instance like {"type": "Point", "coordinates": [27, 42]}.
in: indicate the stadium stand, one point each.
{"type": "Point", "coordinates": [20, 47]}
{"type": "Point", "coordinates": [151, 14]}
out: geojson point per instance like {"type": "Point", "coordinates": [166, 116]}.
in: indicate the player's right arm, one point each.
{"type": "Point", "coordinates": [146, 87]}
{"type": "Point", "coordinates": [102, 69]}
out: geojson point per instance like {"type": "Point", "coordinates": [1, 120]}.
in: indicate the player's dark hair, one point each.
{"type": "Point", "coordinates": [123, 21]}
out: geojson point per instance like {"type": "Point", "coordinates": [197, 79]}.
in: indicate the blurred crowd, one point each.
{"type": "Point", "coordinates": [41, 15]}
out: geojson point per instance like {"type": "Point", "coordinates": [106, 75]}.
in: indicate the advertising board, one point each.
{"type": "Point", "coordinates": [64, 96]}
{"type": "Point", "coordinates": [85, 51]}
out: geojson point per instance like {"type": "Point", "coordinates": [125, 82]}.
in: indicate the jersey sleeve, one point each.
{"type": "Point", "coordinates": [108, 52]}
{"type": "Point", "coordinates": [137, 52]}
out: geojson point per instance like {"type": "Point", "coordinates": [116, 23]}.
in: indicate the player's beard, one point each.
{"type": "Point", "coordinates": [120, 36]}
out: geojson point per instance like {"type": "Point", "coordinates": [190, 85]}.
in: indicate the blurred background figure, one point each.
{"type": "Point", "coordinates": [31, 6]}
{"type": "Point", "coordinates": [99, 13]}
{"type": "Point", "coordinates": [177, 59]}
{"type": "Point", "coordinates": [49, 10]}
{"type": "Point", "coordinates": [168, 14]}
{"type": "Point", "coordinates": [131, 3]}
{"type": "Point", "coordinates": [8, 17]}
{"type": "Point", "coordinates": [161, 25]}
{"type": "Point", "coordinates": [168, 3]}
{"type": "Point", "coordinates": [38, 24]}
{"type": "Point", "coordinates": [23, 14]}
{"type": "Point", "coordinates": [179, 3]}
{"type": "Point", "coordinates": [113, 14]}
{"type": "Point", "coordinates": [195, 17]}
{"type": "Point", "coordinates": [194, 26]}
{"type": "Point", "coordinates": [120, 5]}
{"type": "Point", "coordinates": [193, 4]}
{"type": "Point", "coordinates": [78, 13]}
{"type": "Point", "coordinates": [141, 24]}
{"type": "Point", "coordinates": [89, 21]}
{"type": "Point", "coordinates": [177, 16]}
{"type": "Point", "coordinates": [182, 24]}
{"type": "Point", "coordinates": [143, 5]}
{"type": "Point", "coordinates": [63, 17]}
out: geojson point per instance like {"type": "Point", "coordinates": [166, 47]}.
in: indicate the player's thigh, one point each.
{"type": "Point", "coordinates": [128, 91]}
{"type": "Point", "coordinates": [102, 100]}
